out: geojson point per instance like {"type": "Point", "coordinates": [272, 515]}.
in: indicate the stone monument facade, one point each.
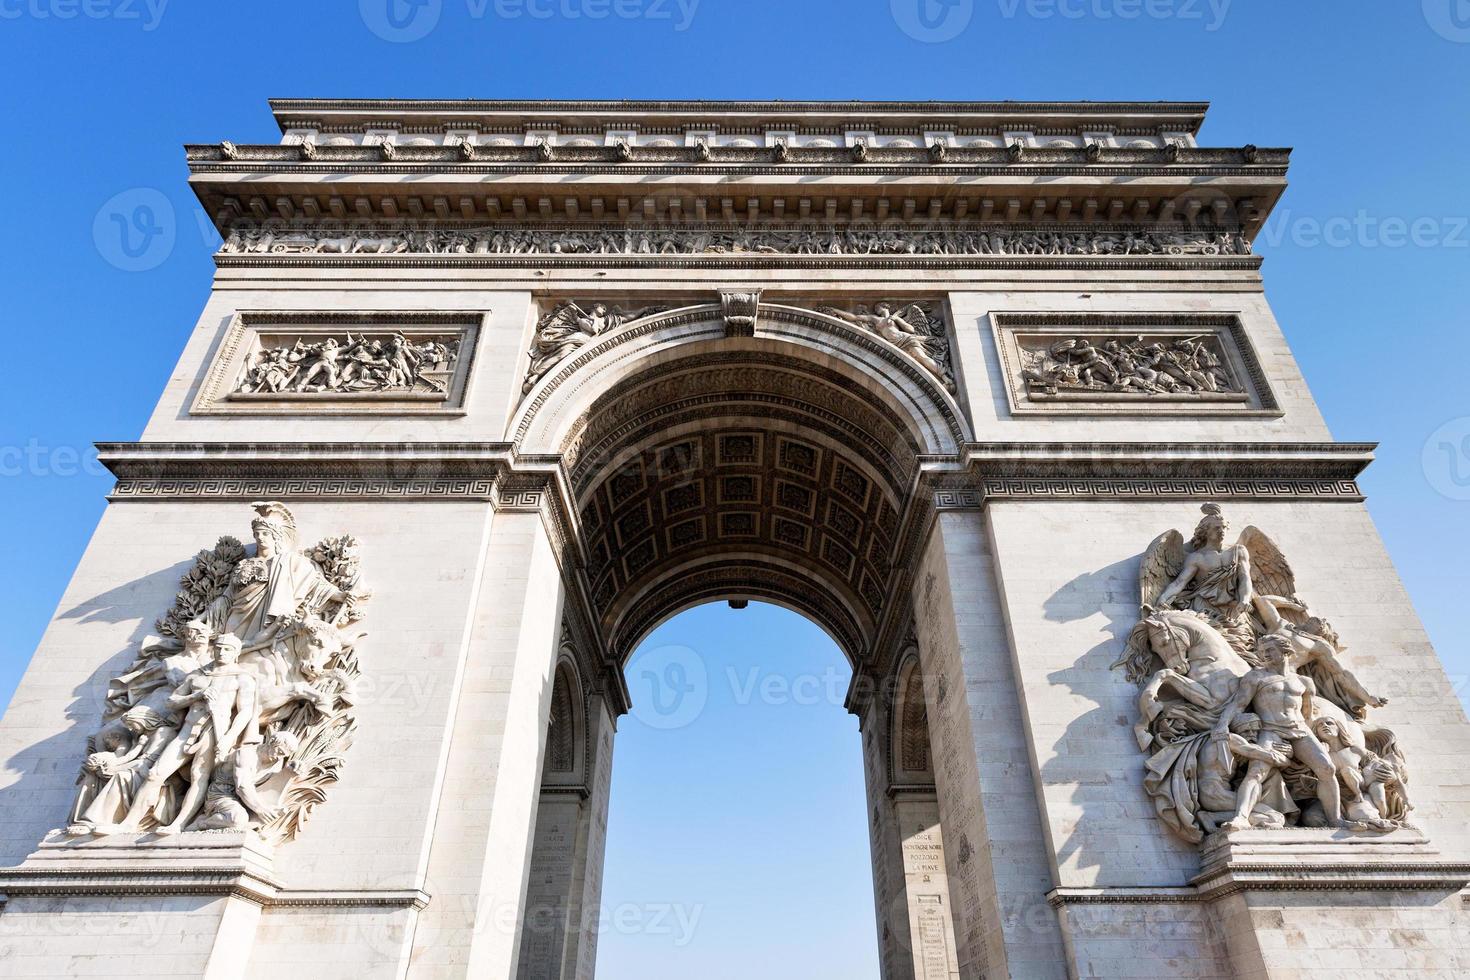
{"type": "Point", "coordinates": [497, 387]}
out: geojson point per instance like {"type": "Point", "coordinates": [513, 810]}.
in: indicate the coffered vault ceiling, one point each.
{"type": "Point", "coordinates": [755, 476]}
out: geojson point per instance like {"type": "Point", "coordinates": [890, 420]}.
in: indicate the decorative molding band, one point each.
{"type": "Point", "coordinates": [186, 880]}
{"type": "Point", "coordinates": [755, 260]}
{"type": "Point", "coordinates": [1168, 471]}
{"type": "Point", "coordinates": [958, 499]}
{"type": "Point", "coordinates": [981, 472]}
{"type": "Point", "coordinates": [248, 488]}
{"type": "Point", "coordinates": [891, 239]}
{"type": "Point", "coordinates": [1326, 876]}
{"type": "Point", "coordinates": [1161, 489]}
{"type": "Point", "coordinates": [1062, 896]}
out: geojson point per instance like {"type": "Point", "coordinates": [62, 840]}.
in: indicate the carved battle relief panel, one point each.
{"type": "Point", "coordinates": [354, 363]}
{"type": "Point", "coordinates": [1130, 364]}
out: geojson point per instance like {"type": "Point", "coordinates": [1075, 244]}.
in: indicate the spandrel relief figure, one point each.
{"type": "Point", "coordinates": [1213, 579]}
{"type": "Point", "coordinates": [237, 717]}
{"type": "Point", "coordinates": [1246, 711]}
{"type": "Point", "coordinates": [568, 328]}
{"type": "Point", "coordinates": [912, 330]}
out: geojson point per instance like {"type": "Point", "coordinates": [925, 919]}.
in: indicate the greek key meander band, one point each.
{"type": "Point", "coordinates": [988, 489]}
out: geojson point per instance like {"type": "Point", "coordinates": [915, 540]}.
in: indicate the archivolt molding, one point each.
{"type": "Point", "coordinates": [562, 398]}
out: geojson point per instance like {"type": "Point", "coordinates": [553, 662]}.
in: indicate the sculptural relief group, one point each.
{"type": "Point", "coordinates": [1174, 366]}
{"type": "Point", "coordinates": [696, 241]}
{"type": "Point", "coordinates": [1249, 716]}
{"type": "Point", "coordinates": [235, 717]}
{"type": "Point", "coordinates": [354, 364]}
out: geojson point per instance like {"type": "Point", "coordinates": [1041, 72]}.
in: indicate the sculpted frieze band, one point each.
{"type": "Point", "coordinates": [704, 241]}
{"type": "Point", "coordinates": [239, 714]}
{"type": "Point", "coordinates": [1248, 715]}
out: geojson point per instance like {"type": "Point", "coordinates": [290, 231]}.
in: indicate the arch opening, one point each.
{"type": "Point", "coordinates": [739, 782]}
{"type": "Point", "coordinates": [766, 468]}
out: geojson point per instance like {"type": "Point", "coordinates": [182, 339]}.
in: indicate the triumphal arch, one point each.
{"type": "Point", "coordinates": [485, 391]}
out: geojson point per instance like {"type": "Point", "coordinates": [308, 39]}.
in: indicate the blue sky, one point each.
{"type": "Point", "coordinates": [1366, 268]}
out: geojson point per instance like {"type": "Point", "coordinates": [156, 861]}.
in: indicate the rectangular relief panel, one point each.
{"type": "Point", "coordinates": [341, 363]}
{"type": "Point", "coordinates": [1110, 364]}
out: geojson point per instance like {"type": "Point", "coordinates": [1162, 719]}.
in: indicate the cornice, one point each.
{"type": "Point", "coordinates": [1186, 116]}
{"type": "Point", "coordinates": [980, 471]}
{"type": "Point", "coordinates": [800, 161]}
{"type": "Point", "coordinates": [1156, 471]}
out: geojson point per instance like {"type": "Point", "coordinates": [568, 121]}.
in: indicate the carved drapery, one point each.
{"type": "Point", "coordinates": [239, 714]}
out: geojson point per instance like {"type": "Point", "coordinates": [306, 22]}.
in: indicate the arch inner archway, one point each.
{"type": "Point", "coordinates": [779, 467]}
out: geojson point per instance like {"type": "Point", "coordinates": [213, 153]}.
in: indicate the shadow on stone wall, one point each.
{"type": "Point", "coordinates": [1112, 795]}
{"type": "Point", "coordinates": [39, 800]}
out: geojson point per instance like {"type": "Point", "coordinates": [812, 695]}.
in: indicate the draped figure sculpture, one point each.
{"type": "Point", "coordinates": [237, 716]}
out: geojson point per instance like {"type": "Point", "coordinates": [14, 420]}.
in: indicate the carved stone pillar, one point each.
{"type": "Point", "coordinates": [926, 886]}
{"type": "Point", "coordinates": [995, 846]}
{"type": "Point", "coordinates": [890, 902]}
{"type": "Point", "coordinates": [480, 855]}
{"type": "Point", "coordinates": [559, 938]}
{"type": "Point", "coordinates": [916, 932]}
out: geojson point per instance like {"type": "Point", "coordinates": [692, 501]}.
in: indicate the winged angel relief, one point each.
{"type": "Point", "coordinates": [1247, 713]}
{"type": "Point", "coordinates": [236, 717]}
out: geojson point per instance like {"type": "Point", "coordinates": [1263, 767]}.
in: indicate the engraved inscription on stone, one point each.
{"type": "Point", "coordinates": [933, 940]}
